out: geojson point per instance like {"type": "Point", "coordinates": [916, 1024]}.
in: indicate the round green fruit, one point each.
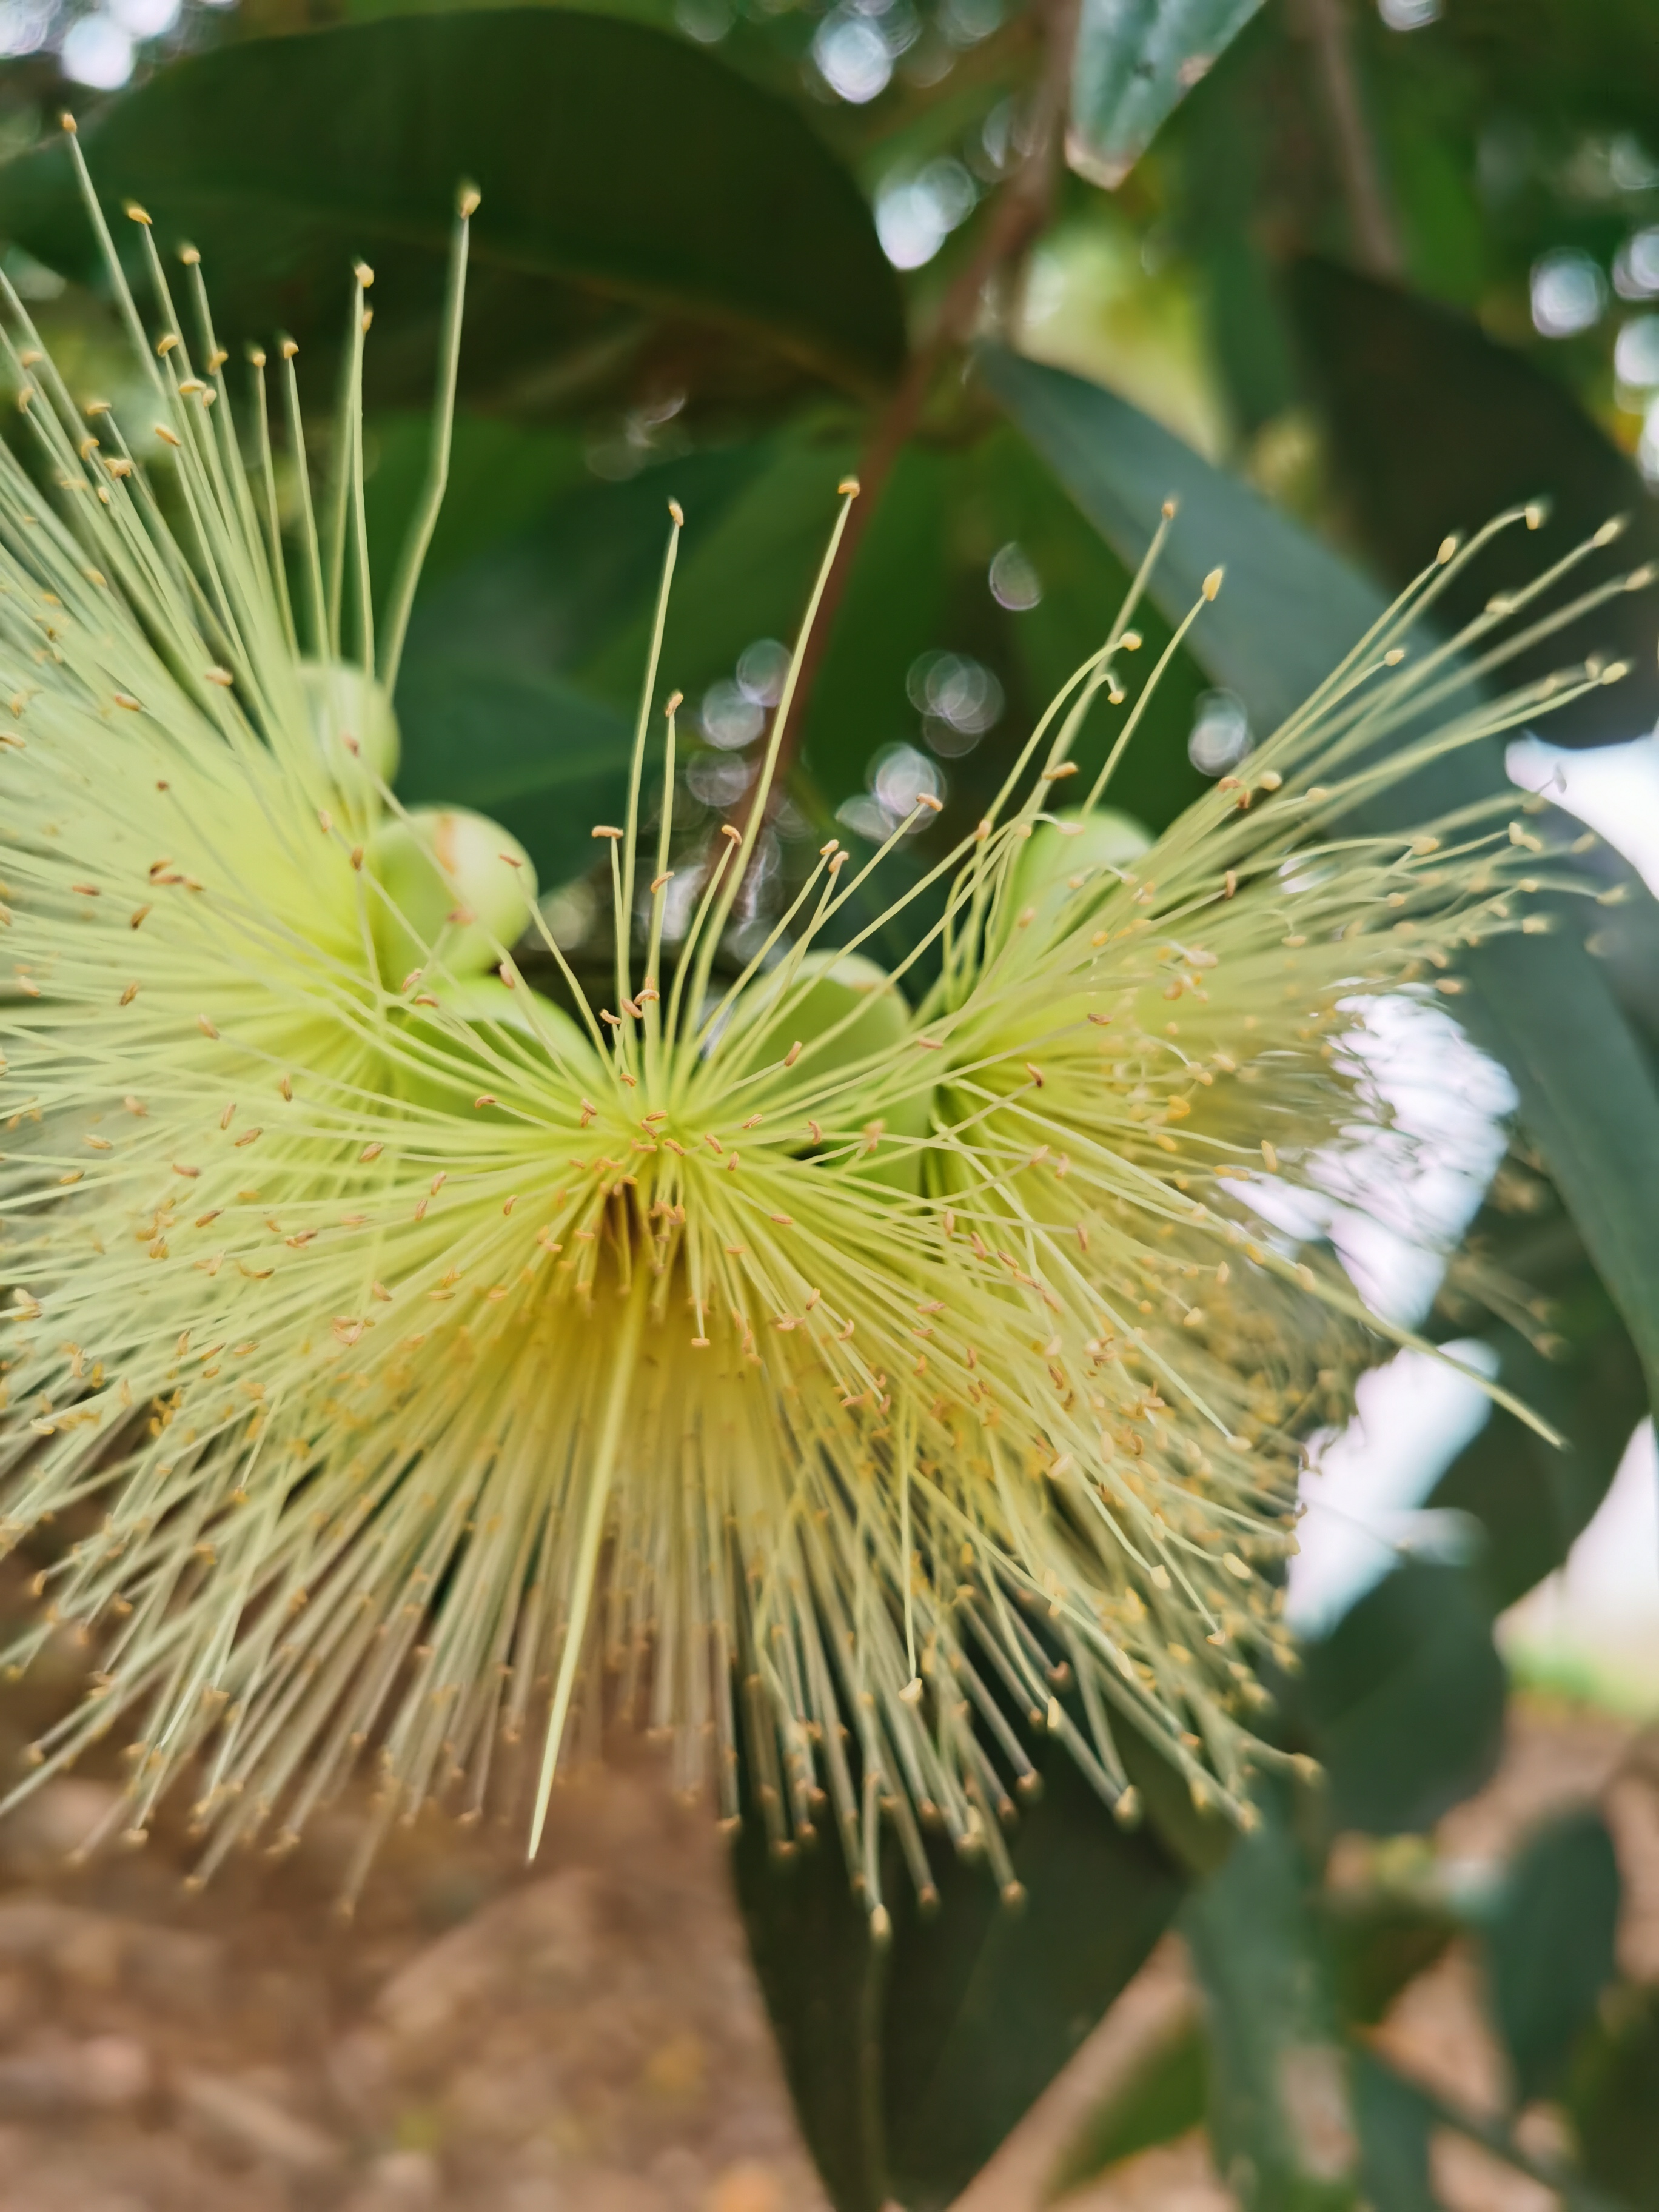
{"type": "Point", "coordinates": [828, 989]}
{"type": "Point", "coordinates": [348, 710]}
{"type": "Point", "coordinates": [1075, 858]}
{"type": "Point", "coordinates": [447, 1069]}
{"type": "Point", "coordinates": [457, 886]}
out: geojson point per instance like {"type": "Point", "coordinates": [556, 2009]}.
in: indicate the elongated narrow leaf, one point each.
{"type": "Point", "coordinates": [540, 757]}
{"type": "Point", "coordinates": [1404, 1700]}
{"type": "Point", "coordinates": [1497, 432]}
{"type": "Point", "coordinates": [628, 178]}
{"type": "Point", "coordinates": [1549, 1947]}
{"type": "Point", "coordinates": [910, 2063]}
{"type": "Point", "coordinates": [1290, 609]}
{"type": "Point", "coordinates": [1166, 2096]}
{"type": "Point", "coordinates": [1281, 2121]}
{"type": "Point", "coordinates": [1394, 2121]}
{"type": "Point", "coordinates": [1613, 2098]}
{"type": "Point", "coordinates": [1135, 59]}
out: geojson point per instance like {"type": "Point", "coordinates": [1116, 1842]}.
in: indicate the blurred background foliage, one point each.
{"type": "Point", "coordinates": [1343, 275]}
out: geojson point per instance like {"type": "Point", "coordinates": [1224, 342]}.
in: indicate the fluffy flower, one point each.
{"type": "Point", "coordinates": [849, 1368]}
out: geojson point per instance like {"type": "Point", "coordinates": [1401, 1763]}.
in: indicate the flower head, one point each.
{"type": "Point", "coordinates": [864, 1366]}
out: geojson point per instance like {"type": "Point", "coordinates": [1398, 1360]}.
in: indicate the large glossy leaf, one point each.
{"type": "Point", "coordinates": [628, 179]}
{"type": "Point", "coordinates": [1404, 1700]}
{"type": "Point", "coordinates": [1135, 59]}
{"type": "Point", "coordinates": [537, 754]}
{"type": "Point", "coordinates": [1394, 2121]}
{"type": "Point", "coordinates": [1164, 2097]}
{"type": "Point", "coordinates": [1434, 426]}
{"type": "Point", "coordinates": [1281, 2124]}
{"type": "Point", "coordinates": [910, 2063]}
{"type": "Point", "coordinates": [569, 594]}
{"type": "Point", "coordinates": [1595, 64]}
{"type": "Point", "coordinates": [1290, 609]}
{"type": "Point", "coordinates": [1549, 1946]}
{"type": "Point", "coordinates": [1577, 1370]}
{"type": "Point", "coordinates": [1613, 2098]}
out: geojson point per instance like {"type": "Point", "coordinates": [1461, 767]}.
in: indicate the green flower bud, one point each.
{"type": "Point", "coordinates": [826, 989]}
{"type": "Point", "coordinates": [348, 708]}
{"type": "Point", "coordinates": [1075, 857]}
{"type": "Point", "coordinates": [512, 1024]}
{"type": "Point", "coordinates": [457, 886]}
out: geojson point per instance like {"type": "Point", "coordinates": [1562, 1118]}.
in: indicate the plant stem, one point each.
{"type": "Point", "coordinates": [1326, 26]}
{"type": "Point", "coordinates": [1012, 221]}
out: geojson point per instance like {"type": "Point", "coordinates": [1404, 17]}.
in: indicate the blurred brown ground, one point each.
{"type": "Point", "coordinates": [580, 2037]}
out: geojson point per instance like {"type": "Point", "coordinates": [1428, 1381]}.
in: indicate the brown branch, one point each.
{"type": "Point", "coordinates": [1011, 221]}
{"type": "Point", "coordinates": [1326, 26]}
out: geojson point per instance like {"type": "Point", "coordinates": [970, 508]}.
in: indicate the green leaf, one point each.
{"type": "Point", "coordinates": [1290, 611]}
{"type": "Point", "coordinates": [502, 476]}
{"type": "Point", "coordinates": [1377, 1944]}
{"type": "Point", "coordinates": [543, 759]}
{"type": "Point", "coordinates": [1280, 2120]}
{"type": "Point", "coordinates": [569, 594]}
{"type": "Point", "coordinates": [746, 562]}
{"type": "Point", "coordinates": [1165, 2097]}
{"type": "Point", "coordinates": [910, 2063]}
{"type": "Point", "coordinates": [1290, 607]}
{"type": "Point", "coordinates": [1549, 1946]}
{"type": "Point", "coordinates": [822, 1979]}
{"type": "Point", "coordinates": [1404, 1700]}
{"type": "Point", "coordinates": [630, 182]}
{"type": "Point", "coordinates": [1394, 2121]}
{"type": "Point", "coordinates": [1135, 60]}
{"type": "Point", "coordinates": [1595, 64]}
{"type": "Point", "coordinates": [987, 2004]}
{"type": "Point", "coordinates": [1496, 432]}
{"type": "Point", "coordinates": [1534, 1500]}
{"type": "Point", "coordinates": [1612, 2097]}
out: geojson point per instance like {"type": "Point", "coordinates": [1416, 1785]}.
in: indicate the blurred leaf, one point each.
{"type": "Point", "coordinates": [1083, 582]}
{"type": "Point", "coordinates": [987, 2004]}
{"type": "Point", "coordinates": [1404, 1700]}
{"type": "Point", "coordinates": [1376, 1945]}
{"type": "Point", "coordinates": [626, 175]}
{"type": "Point", "coordinates": [746, 563]}
{"type": "Point", "coordinates": [908, 2065]}
{"type": "Point", "coordinates": [1434, 426]}
{"type": "Point", "coordinates": [823, 1980]}
{"type": "Point", "coordinates": [894, 610]}
{"type": "Point", "coordinates": [1549, 1946]}
{"type": "Point", "coordinates": [1165, 2097]}
{"type": "Point", "coordinates": [1533, 1498]}
{"type": "Point", "coordinates": [502, 476]}
{"type": "Point", "coordinates": [1290, 607]}
{"type": "Point", "coordinates": [1290, 611]}
{"type": "Point", "coordinates": [554, 598]}
{"type": "Point", "coordinates": [545, 761]}
{"type": "Point", "coordinates": [1280, 2123]}
{"type": "Point", "coordinates": [1624, 938]}
{"type": "Point", "coordinates": [1612, 2097]}
{"type": "Point", "coordinates": [1394, 2121]}
{"type": "Point", "coordinates": [1597, 63]}
{"type": "Point", "coordinates": [1225, 153]}
{"type": "Point", "coordinates": [1135, 60]}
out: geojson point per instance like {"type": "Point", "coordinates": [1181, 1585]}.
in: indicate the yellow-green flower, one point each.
{"type": "Point", "coordinates": [856, 1371]}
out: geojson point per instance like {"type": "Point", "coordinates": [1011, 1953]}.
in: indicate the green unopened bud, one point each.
{"type": "Point", "coordinates": [457, 888]}
{"type": "Point", "coordinates": [840, 1009]}
{"type": "Point", "coordinates": [1066, 858]}
{"type": "Point", "coordinates": [356, 728]}
{"type": "Point", "coordinates": [513, 1029]}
